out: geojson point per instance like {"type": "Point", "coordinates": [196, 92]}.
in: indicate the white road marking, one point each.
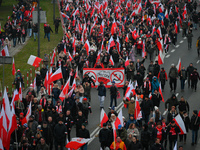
{"type": "Point", "coordinates": [185, 81]}
{"type": "Point", "coordinates": [177, 94]}
{"type": "Point", "coordinates": [167, 55]}
{"type": "Point", "coordinates": [173, 50]}
{"type": "Point", "coordinates": [181, 41]}
{"type": "Point", "coordinates": [184, 38]}
{"type": "Point", "coordinates": [198, 61]}
{"type": "Point", "coordinates": [177, 46]}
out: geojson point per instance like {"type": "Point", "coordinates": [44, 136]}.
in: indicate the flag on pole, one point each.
{"type": "Point", "coordinates": [55, 76]}
{"type": "Point", "coordinates": [34, 61]}
{"type": "Point", "coordinates": [179, 122]}
{"type": "Point", "coordinates": [77, 142]}
{"type": "Point", "coordinates": [103, 117]}
{"type": "Point", "coordinates": [178, 67]}
{"type": "Point", "coordinates": [87, 47]}
{"type": "Point", "coordinates": [137, 113]}
{"type": "Point", "coordinates": [26, 118]}
{"type": "Point", "coordinates": [4, 51]}
{"type": "Point", "coordinates": [65, 90]}
{"type": "Point", "coordinates": [160, 91]}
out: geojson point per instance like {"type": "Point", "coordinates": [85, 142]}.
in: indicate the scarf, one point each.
{"type": "Point", "coordinates": [43, 102]}
{"type": "Point", "coordinates": [59, 109]}
{"type": "Point", "coordinates": [172, 130]}
{"type": "Point", "coordinates": [145, 84]}
{"type": "Point", "coordinates": [159, 133]}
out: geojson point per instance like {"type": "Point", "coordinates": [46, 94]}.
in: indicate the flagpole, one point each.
{"type": "Point", "coordinates": [16, 138]}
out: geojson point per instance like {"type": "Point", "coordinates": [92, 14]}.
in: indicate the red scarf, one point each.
{"type": "Point", "coordinates": [145, 84]}
{"type": "Point", "coordinates": [164, 126]}
{"type": "Point", "coordinates": [59, 109]}
{"type": "Point", "coordinates": [172, 130]}
{"type": "Point", "coordinates": [159, 133]}
{"type": "Point", "coordinates": [45, 101]}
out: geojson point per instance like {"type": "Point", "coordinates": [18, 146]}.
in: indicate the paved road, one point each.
{"type": "Point", "coordinates": [187, 57]}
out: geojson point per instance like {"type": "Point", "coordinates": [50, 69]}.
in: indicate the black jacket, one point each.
{"type": "Point", "coordinates": [145, 137]}
{"type": "Point", "coordinates": [101, 90]}
{"type": "Point", "coordinates": [146, 106]}
{"type": "Point", "coordinates": [186, 121]}
{"type": "Point", "coordinates": [89, 80]}
{"type": "Point", "coordinates": [156, 98]}
{"type": "Point", "coordinates": [38, 80]}
{"type": "Point", "coordinates": [195, 121]}
{"type": "Point", "coordinates": [60, 131]}
{"type": "Point", "coordinates": [157, 147]}
{"type": "Point", "coordinates": [104, 135]}
{"type": "Point", "coordinates": [135, 146]}
{"type": "Point", "coordinates": [183, 106]}
{"type": "Point", "coordinates": [68, 121]}
{"type": "Point", "coordinates": [84, 133]}
{"type": "Point", "coordinates": [79, 121]}
{"type": "Point", "coordinates": [113, 90]}
{"type": "Point", "coordinates": [173, 131]}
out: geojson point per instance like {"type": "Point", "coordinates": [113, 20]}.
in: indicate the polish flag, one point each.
{"type": "Point", "coordinates": [160, 45]}
{"type": "Point", "coordinates": [176, 27]}
{"type": "Point", "coordinates": [111, 60]}
{"type": "Point", "coordinates": [161, 9]}
{"type": "Point", "coordinates": [127, 61]}
{"type": "Point", "coordinates": [130, 89]}
{"type": "Point", "coordinates": [150, 96]}
{"type": "Point", "coordinates": [111, 43]}
{"type": "Point", "coordinates": [70, 57]}
{"type": "Point", "coordinates": [15, 96]}
{"type": "Point", "coordinates": [65, 50]}
{"type": "Point", "coordinates": [65, 90]}
{"type": "Point", "coordinates": [1, 144]}
{"type": "Point", "coordinates": [113, 28]}
{"type": "Point", "coordinates": [123, 28]}
{"type": "Point", "coordinates": [103, 117]}
{"type": "Point", "coordinates": [87, 47]}
{"type": "Point", "coordinates": [179, 122]}
{"type": "Point", "coordinates": [137, 113]}
{"type": "Point", "coordinates": [67, 7]}
{"type": "Point", "coordinates": [65, 16]}
{"type": "Point", "coordinates": [133, 13]}
{"type": "Point", "coordinates": [3, 127]}
{"type": "Point", "coordinates": [46, 79]}
{"type": "Point", "coordinates": [26, 118]}
{"type": "Point", "coordinates": [184, 12]}
{"type": "Point", "coordinates": [161, 58]}
{"type": "Point", "coordinates": [102, 26]}
{"type": "Point", "coordinates": [139, 9]}
{"type": "Point", "coordinates": [4, 51]}
{"type": "Point", "coordinates": [70, 92]}
{"type": "Point", "coordinates": [126, 38]}
{"type": "Point", "coordinates": [118, 45]}
{"type": "Point", "coordinates": [166, 14]}
{"type": "Point", "coordinates": [34, 61]}
{"type": "Point", "coordinates": [55, 76]}
{"type": "Point", "coordinates": [13, 67]}
{"type": "Point", "coordinates": [8, 17]}
{"type": "Point", "coordinates": [178, 67]}
{"type": "Point", "coordinates": [114, 133]}
{"type": "Point", "coordinates": [119, 120]}
{"type": "Point", "coordinates": [77, 142]}
{"type": "Point", "coordinates": [143, 50]}
{"type": "Point", "coordinates": [160, 91]}
{"type": "Point", "coordinates": [153, 29]}
{"type": "Point", "coordinates": [53, 57]}
{"type": "Point", "coordinates": [159, 32]}
{"type": "Point", "coordinates": [180, 20]}
{"type": "Point", "coordinates": [12, 125]}
{"type": "Point", "coordinates": [20, 91]}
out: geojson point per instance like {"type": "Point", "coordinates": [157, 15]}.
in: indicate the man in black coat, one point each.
{"type": "Point", "coordinates": [60, 132]}
{"type": "Point", "coordinates": [172, 131]}
{"type": "Point", "coordinates": [186, 121]}
{"type": "Point", "coordinates": [84, 133]}
{"type": "Point", "coordinates": [194, 126]}
{"type": "Point", "coordinates": [157, 145]}
{"type": "Point", "coordinates": [38, 81]}
{"type": "Point", "coordinates": [147, 108]}
{"type": "Point", "coordinates": [156, 98]}
{"type": "Point", "coordinates": [68, 123]}
{"type": "Point", "coordinates": [104, 137]}
{"type": "Point", "coordinates": [67, 104]}
{"type": "Point", "coordinates": [43, 72]}
{"type": "Point", "coordinates": [56, 23]}
{"type": "Point", "coordinates": [88, 79]}
{"type": "Point", "coordinates": [190, 69]}
{"type": "Point", "coordinates": [79, 120]}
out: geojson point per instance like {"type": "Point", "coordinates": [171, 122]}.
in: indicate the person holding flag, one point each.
{"type": "Point", "coordinates": [118, 144]}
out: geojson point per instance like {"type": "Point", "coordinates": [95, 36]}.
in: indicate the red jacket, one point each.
{"type": "Point", "coordinates": [139, 45]}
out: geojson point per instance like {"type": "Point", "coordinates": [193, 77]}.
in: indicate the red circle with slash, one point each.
{"type": "Point", "coordinates": [113, 74]}
{"type": "Point", "coordinates": [90, 75]}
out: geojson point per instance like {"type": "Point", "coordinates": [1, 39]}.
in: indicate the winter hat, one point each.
{"type": "Point", "coordinates": [195, 112]}
{"type": "Point", "coordinates": [119, 126]}
{"type": "Point", "coordinates": [156, 108]}
{"type": "Point", "coordinates": [83, 124]}
{"type": "Point", "coordinates": [21, 114]}
{"type": "Point", "coordinates": [104, 124]}
{"type": "Point", "coordinates": [132, 98]}
{"type": "Point", "coordinates": [39, 127]}
{"type": "Point", "coordinates": [25, 125]}
{"type": "Point", "coordinates": [85, 99]}
{"type": "Point", "coordinates": [113, 108]}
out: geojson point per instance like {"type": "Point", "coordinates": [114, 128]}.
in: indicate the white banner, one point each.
{"type": "Point", "coordinates": [106, 75]}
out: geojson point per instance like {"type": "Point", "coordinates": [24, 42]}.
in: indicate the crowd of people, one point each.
{"type": "Point", "coordinates": [133, 34]}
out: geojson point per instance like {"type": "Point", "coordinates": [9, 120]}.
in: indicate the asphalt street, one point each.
{"type": "Point", "coordinates": [187, 57]}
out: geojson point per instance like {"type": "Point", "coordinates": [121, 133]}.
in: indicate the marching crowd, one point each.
{"type": "Point", "coordinates": [122, 31]}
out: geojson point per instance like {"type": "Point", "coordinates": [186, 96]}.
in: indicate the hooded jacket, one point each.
{"type": "Point", "coordinates": [171, 102]}
{"type": "Point", "coordinates": [154, 84]}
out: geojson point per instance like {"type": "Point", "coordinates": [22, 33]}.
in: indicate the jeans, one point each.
{"type": "Point", "coordinates": [113, 97]}
{"type": "Point", "coordinates": [29, 31]}
{"type": "Point", "coordinates": [173, 81]}
{"type": "Point", "coordinates": [54, 101]}
{"type": "Point", "coordinates": [14, 41]}
{"type": "Point", "coordinates": [101, 100]}
{"type": "Point", "coordinates": [172, 142]}
{"type": "Point", "coordinates": [84, 147]}
{"type": "Point", "coordinates": [194, 136]}
{"type": "Point", "coordinates": [48, 36]}
{"type": "Point", "coordinates": [195, 25]}
{"type": "Point", "coordinates": [182, 84]}
{"type": "Point", "coordinates": [45, 35]}
{"type": "Point", "coordinates": [23, 39]}
{"type": "Point", "coordinates": [61, 144]}
{"type": "Point", "coordinates": [35, 34]}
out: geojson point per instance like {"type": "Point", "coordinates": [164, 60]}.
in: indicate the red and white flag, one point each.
{"type": "Point", "coordinates": [34, 61]}
{"type": "Point", "coordinates": [119, 120]}
{"type": "Point", "coordinates": [76, 143]}
{"type": "Point", "coordinates": [13, 67]}
{"type": "Point", "coordinates": [3, 128]}
{"type": "Point", "coordinates": [111, 60]}
{"type": "Point", "coordinates": [1, 144]}
{"type": "Point", "coordinates": [176, 27]}
{"type": "Point", "coordinates": [67, 7]}
{"type": "Point", "coordinates": [161, 58]}
{"type": "Point", "coordinates": [130, 89]}
{"type": "Point", "coordinates": [46, 79]}
{"type": "Point", "coordinates": [166, 14]}
{"type": "Point", "coordinates": [65, 90]}
{"type": "Point", "coordinates": [113, 28]}
{"type": "Point", "coordinates": [160, 91]}
{"type": "Point", "coordinates": [178, 67]}
{"type": "Point", "coordinates": [179, 122]}
{"type": "Point", "coordinates": [118, 45]}
{"type": "Point", "coordinates": [126, 62]}
{"type": "Point", "coordinates": [53, 57]}
{"type": "Point", "coordinates": [111, 43]}
{"type": "Point", "coordinates": [137, 113]}
{"type": "Point", "coordinates": [126, 38]}
{"type": "Point", "coordinates": [102, 26]}
{"type": "Point", "coordinates": [15, 96]}
{"type": "Point", "coordinates": [26, 118]}
{"type": "Point", "coordinates": [87, 47]}
{"type": "Point", "coordinates": [103, 117]}
{"type": "Point", "coordinates": [55, 76]}
{"type": "Point", "coordinates": [159, 32]}
{"type": "Point", "coordinates": [20, 91]}
{"type": "Point", "coordinates": [4, 51]}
